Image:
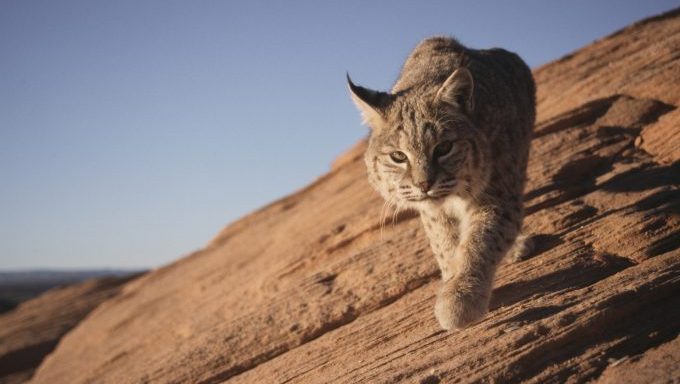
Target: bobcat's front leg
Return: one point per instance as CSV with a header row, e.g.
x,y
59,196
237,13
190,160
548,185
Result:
x,y
442,231
464,298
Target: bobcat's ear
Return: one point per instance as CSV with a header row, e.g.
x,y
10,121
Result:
x,y
372,104
457,90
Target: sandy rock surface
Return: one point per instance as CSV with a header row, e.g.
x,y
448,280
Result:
x,y
311,289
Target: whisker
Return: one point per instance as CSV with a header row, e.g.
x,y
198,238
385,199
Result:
x,y
383,216
394,214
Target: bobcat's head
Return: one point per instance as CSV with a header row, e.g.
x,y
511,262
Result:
x,y
423,144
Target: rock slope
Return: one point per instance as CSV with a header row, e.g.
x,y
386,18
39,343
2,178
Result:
x,y
312,289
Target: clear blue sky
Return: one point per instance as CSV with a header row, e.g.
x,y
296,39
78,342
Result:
x,y
131,132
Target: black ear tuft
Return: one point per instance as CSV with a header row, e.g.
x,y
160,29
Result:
x,y
374,99
372,104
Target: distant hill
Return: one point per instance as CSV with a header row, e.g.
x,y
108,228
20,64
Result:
x,y
19,286
32,330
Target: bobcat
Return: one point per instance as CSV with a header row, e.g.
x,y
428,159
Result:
x,y
451,140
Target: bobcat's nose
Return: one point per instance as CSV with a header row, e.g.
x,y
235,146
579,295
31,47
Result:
x,y
424,186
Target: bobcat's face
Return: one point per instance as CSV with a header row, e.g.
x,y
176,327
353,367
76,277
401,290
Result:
x,y
418,158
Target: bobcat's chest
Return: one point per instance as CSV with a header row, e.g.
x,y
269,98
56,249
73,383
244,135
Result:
x,y
458,208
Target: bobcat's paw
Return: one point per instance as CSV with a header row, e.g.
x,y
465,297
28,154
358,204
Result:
x,y
457,307
522,249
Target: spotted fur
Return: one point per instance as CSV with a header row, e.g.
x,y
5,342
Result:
x,y
482,103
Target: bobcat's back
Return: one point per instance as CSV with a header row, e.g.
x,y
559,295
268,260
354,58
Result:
x,y
504,87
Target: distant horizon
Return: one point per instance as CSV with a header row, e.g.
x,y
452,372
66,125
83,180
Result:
x,y
68,270
132,133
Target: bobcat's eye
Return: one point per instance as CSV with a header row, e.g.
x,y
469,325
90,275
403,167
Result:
x,y
442,149
398,156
